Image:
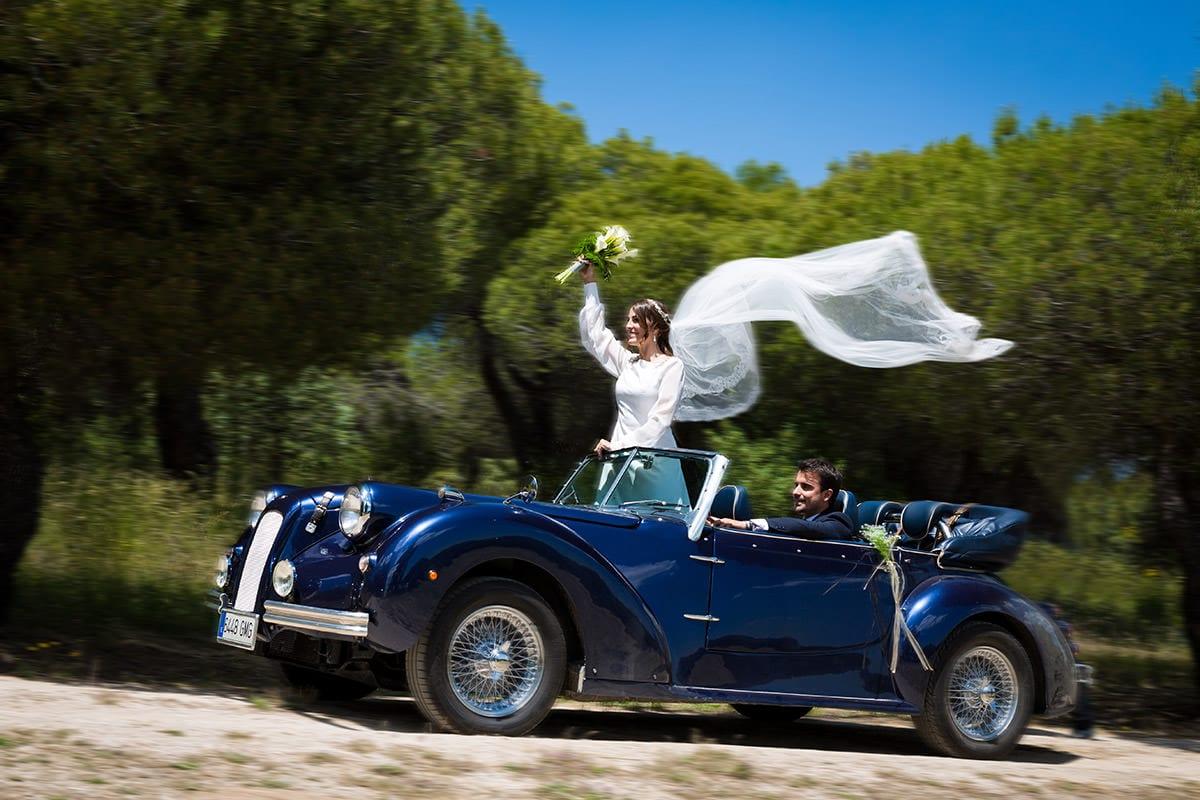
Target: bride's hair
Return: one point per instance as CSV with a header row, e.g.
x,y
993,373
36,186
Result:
x,y
653,314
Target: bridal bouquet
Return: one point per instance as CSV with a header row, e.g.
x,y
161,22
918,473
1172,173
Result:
x,y
604,250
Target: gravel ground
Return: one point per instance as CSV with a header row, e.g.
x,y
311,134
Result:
x,y
124,740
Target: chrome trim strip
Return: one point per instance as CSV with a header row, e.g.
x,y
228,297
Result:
x,y
702,617
785,537
712,483
1084,673
709,559
815,697
320,620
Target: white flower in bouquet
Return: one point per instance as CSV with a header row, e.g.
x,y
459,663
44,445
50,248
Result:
x,y
604,250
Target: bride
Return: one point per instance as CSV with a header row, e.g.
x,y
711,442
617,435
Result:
x,y
649,377
648,388
870,303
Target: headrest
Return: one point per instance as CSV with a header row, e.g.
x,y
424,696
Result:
x,y
921,516
732,502
847,503
876,512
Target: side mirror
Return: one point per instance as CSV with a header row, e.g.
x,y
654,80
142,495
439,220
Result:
x,y
528,493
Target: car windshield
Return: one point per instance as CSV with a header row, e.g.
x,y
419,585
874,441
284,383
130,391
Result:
x,y
638,479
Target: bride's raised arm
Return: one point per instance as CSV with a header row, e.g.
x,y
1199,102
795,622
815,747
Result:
x,y
596,337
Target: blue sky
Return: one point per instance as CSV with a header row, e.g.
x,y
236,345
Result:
x,y
805,83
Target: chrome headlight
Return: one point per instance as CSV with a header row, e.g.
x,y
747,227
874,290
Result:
x,y
354,513
283,578
258,504
221,577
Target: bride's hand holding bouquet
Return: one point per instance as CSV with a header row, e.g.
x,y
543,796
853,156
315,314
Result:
x,y
603,250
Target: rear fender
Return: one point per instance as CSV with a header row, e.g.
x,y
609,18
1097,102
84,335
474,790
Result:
x,y
621,639
940,605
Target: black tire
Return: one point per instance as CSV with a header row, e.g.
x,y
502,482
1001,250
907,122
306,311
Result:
x,y
314,686
428,661
994,647
777,714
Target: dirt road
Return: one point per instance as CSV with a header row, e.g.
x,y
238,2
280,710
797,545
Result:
x,y
71,740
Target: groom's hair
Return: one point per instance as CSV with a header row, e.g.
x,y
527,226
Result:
x,y
829,475
653,314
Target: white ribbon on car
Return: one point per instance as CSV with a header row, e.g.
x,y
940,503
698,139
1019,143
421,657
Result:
x,y
899,625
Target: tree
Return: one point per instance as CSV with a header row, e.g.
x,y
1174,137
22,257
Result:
x,y
236,182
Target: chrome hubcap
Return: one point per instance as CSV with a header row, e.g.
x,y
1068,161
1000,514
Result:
x,y
983,694
496,661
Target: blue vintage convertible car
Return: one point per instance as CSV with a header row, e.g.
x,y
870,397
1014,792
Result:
x,y
487,609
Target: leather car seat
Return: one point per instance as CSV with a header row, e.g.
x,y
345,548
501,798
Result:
x,y
847,503
920,518
732,502
880,512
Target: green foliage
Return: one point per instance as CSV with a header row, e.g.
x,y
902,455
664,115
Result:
x,y
288,169
1107,513
339,222
120,548
761,177
1100,592
766,467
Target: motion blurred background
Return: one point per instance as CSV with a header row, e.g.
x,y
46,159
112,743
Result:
x,y
311,241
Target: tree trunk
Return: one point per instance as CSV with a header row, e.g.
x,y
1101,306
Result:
x,y
185,441
22,471
1178,503
528,408
519,434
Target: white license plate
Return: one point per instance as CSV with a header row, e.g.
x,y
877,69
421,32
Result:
x,y
237,629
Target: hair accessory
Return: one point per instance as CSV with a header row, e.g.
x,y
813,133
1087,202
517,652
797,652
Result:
x,y
661,309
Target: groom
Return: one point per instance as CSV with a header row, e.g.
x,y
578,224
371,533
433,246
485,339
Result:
x,y
817,484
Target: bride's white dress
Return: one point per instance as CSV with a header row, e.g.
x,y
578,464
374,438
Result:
x,y
647,394
647,391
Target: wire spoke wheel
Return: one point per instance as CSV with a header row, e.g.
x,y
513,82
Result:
x,y
979,701
983,693
495,661
492,660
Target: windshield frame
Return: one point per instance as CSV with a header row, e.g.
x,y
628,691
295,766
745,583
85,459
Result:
x,y
695,517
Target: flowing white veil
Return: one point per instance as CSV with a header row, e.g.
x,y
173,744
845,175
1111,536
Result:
x,y
868,303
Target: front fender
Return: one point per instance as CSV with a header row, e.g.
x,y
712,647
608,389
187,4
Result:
x,y
937,607
621,638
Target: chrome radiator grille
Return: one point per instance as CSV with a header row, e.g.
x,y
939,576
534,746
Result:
x,y
256,560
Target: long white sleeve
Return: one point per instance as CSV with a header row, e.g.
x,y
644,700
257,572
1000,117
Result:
x,y
658,422
596,337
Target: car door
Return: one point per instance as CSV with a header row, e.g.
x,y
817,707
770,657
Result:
x,y
794,616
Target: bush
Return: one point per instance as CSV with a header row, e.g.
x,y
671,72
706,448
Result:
x,y
124,549
1105,593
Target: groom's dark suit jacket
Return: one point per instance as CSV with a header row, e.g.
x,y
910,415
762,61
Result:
x,y
826,525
